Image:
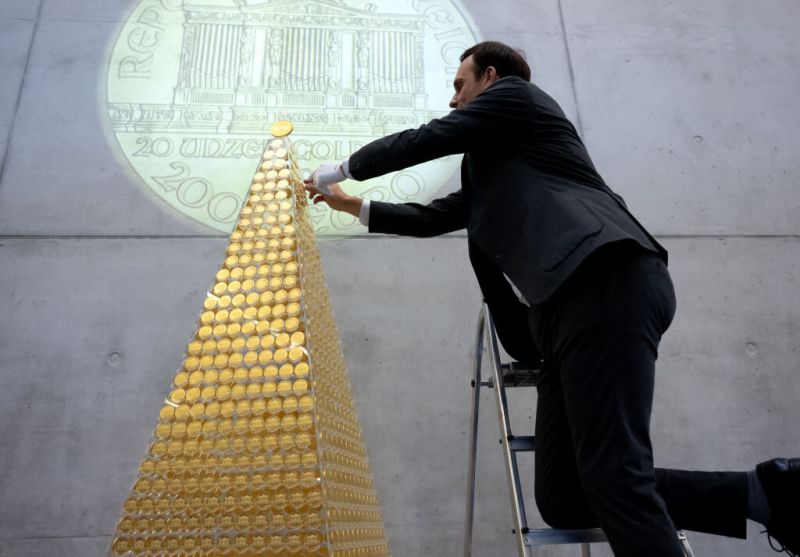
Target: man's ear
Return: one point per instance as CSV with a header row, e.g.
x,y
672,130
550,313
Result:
x,y
491,75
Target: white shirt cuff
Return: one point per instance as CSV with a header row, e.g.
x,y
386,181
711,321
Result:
x,y
363,214
346,168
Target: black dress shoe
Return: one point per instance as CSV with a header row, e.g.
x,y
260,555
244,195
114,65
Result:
x,y
780,478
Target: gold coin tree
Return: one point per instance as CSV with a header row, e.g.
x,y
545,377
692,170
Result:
x,y
258,449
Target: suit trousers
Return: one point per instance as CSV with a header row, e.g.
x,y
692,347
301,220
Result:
x,y
599,337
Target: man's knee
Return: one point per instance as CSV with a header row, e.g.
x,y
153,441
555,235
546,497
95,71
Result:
x,y
566,508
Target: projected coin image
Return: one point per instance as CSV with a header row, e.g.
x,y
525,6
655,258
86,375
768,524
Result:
x,y
193,87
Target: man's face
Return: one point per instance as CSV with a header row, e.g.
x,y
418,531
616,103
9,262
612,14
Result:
x,y
467,86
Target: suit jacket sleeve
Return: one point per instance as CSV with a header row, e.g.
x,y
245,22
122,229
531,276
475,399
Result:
x,y
501,112
440,216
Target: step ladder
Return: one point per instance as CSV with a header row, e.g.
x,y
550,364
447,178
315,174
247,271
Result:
x,y
502,377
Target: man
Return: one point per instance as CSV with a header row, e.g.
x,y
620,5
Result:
x,y
572,277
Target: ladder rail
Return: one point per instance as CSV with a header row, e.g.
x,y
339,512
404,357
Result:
x,y
509,454
473,436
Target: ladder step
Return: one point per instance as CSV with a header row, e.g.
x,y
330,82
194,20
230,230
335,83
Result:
x,y
555,536
516,375
521,443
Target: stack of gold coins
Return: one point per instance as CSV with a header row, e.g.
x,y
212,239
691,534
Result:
x,y
258,449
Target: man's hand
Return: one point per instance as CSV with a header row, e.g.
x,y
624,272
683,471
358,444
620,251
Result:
x,y
336,199
328,173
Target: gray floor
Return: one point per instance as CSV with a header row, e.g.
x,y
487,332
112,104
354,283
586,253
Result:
x,y
690,112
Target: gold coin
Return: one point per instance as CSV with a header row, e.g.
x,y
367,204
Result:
x,y
243,409
305,421
250,313
274,405
227,409
290,404
207,393
209,346
194,347
236,314
286,370
270,372
238,391
240,375
269,389
296,354
221,360
284,387
225,427
197,411
301,369
282,129
224,344
207,360
300,386
163,431
223,392
181,379
259,406
306,403
221,316
177,396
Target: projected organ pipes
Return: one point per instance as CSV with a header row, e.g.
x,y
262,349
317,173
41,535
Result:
x,y
193,87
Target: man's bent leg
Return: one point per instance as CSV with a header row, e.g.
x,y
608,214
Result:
x,y
601,335
559,493
712,502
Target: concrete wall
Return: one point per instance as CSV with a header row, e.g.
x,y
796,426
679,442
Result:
x,y
690,112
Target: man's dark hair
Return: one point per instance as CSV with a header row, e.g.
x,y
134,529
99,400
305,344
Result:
x,y
506,60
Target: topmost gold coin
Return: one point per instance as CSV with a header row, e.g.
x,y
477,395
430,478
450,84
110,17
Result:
x,y
282,128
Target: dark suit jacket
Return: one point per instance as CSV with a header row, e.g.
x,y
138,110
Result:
x,y
531,200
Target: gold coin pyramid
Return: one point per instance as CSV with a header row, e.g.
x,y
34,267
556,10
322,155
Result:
x,y
258,449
